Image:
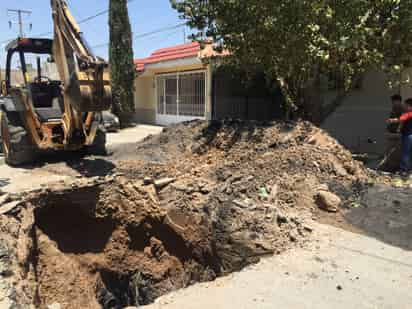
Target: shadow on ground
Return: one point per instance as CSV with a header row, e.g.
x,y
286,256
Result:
x,y
87,166
4,182
385,214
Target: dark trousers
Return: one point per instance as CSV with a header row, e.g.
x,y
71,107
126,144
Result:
x,y
406,153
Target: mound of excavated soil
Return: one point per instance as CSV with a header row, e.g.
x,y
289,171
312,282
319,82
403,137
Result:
x,y
254,156
200,200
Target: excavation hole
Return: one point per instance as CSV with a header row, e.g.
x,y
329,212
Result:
x,y
73,229
91,250
173,243
117,291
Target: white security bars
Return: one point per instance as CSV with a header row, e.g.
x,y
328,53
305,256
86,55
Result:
x,y
181,96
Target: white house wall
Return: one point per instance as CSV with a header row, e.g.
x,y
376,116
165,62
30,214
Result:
x,y
359,122
145,91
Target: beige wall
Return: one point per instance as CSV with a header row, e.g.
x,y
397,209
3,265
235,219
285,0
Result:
x,y
145,92
145,100
362,114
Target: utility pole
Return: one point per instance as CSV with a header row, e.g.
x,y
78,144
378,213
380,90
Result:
x,y
20,14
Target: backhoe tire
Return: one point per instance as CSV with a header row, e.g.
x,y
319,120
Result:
x,y
99,144
16,143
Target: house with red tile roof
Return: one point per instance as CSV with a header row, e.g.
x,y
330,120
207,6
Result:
x,y
175,84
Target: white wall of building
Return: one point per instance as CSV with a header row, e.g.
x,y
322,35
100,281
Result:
x,y
359,122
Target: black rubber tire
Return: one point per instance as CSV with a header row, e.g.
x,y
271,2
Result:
x,y
99,144
18,148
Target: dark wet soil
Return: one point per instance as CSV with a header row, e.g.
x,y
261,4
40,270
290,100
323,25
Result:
x,y
385,213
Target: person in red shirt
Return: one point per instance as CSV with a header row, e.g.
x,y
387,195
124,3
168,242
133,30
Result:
x,y
405,121
398,108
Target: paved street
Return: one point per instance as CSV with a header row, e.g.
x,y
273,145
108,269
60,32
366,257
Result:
x,y
338,270
52,169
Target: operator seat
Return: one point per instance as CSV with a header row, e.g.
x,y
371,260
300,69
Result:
x,y
47,101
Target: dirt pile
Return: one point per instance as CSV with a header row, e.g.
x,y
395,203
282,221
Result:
x,y
255,157
200,200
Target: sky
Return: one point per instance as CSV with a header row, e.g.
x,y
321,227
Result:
x,y
145,16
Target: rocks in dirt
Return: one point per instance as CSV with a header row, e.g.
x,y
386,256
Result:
x,y
5,262
5,208
54,306
7,290
328,201
7,203
246,203
308,228
161,183
339,169
323,187
273,193
147,181
282,219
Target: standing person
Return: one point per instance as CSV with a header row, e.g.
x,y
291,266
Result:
x,y
398,108
405,121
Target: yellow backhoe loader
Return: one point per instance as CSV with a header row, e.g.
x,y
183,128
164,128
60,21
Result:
x,y
53,94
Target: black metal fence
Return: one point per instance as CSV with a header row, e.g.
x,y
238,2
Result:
x,y
237,96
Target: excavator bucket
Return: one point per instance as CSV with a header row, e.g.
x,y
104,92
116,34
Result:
x,y
85,77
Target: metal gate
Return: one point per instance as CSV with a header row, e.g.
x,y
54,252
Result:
x,y
180,97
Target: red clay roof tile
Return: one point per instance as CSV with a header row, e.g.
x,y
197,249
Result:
x,y
170,53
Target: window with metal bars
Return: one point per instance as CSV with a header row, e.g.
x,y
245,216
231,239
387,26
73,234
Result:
x,y
181,94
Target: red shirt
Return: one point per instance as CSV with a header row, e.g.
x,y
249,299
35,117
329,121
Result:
x,y
406,116
406,120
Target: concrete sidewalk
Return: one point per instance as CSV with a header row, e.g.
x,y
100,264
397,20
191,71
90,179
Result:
x,y
339,270
132,135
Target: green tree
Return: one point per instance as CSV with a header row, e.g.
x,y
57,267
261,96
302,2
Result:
x,y
122,66
296,41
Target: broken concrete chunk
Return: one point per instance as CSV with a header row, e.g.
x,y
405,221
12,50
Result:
x,y
5,208
243,203
151,191
308,228
323,187
339,169
161,183
147,181
273,193
5,198
328,201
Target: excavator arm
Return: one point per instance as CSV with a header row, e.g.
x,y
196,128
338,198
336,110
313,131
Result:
x,y
85,77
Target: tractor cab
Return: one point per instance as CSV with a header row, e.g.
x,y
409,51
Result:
x,y
32,78
37,114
